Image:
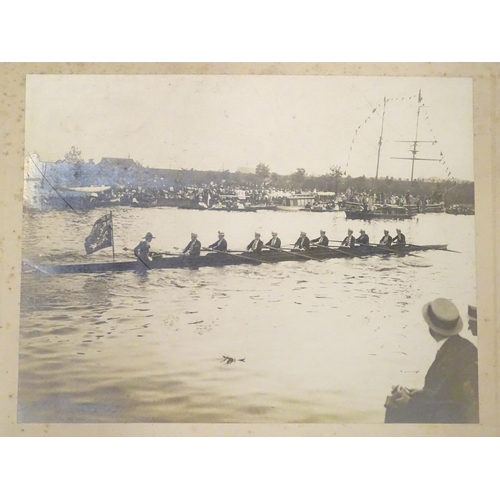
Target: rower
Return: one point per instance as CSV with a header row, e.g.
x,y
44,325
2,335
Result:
x,y
363,238
274,242
255,246
399,239
349,240
142,250
221,244
303,242
193,247
322,240
386,239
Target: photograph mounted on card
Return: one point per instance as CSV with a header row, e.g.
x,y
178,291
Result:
x,y
248,249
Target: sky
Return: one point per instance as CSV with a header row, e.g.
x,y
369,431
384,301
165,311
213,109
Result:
x,y
236,122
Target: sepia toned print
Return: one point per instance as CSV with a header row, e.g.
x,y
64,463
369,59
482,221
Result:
x,y
243,249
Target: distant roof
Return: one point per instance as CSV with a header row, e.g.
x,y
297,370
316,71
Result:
x,y
118,161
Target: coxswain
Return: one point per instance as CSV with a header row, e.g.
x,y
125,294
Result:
x,y
349,240
386,239
399,239
255,246
363,238
303,242
274,242
142,250
322,240
221,244
193,247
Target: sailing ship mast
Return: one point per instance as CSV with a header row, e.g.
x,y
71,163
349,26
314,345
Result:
x,y
380,139
414,149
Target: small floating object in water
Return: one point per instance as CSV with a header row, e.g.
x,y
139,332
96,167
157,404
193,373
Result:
x,y
228,360
196,322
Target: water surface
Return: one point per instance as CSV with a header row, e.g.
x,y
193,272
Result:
x,y
321,341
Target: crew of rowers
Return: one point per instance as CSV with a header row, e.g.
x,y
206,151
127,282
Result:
x,y
303,243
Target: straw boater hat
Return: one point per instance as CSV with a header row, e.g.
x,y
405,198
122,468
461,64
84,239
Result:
x,y
221,233
443,317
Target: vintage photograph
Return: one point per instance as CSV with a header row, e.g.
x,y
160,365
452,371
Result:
x,y
248,249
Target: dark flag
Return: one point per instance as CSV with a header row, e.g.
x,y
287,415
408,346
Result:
x,y
101,235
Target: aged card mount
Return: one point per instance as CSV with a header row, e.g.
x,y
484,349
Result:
x,y
484,79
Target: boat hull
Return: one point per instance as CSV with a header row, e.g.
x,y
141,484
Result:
x,y
228,259
359,215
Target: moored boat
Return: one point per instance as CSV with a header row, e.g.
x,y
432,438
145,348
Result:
x,y
460,210
230,258
219,209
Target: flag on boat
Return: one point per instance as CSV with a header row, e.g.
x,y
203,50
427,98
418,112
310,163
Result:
x,y
101,235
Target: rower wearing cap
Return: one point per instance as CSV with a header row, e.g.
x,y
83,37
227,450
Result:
x,y
363,239
193,247
472,313
220,244
256,244
141,251
399,239
274,242
303,242
322,240
386,239
349,240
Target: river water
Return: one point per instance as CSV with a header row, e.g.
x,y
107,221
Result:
x,y
321,341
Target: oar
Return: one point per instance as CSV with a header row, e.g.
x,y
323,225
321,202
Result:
x,y
234,255
125,249
345,252
390,250
294,253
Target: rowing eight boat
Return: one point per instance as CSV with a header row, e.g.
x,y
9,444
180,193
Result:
x,y
222,259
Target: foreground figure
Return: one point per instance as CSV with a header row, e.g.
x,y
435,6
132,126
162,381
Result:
x,y
472,313
450,393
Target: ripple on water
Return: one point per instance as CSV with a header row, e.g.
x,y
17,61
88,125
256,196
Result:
x,y
310,331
